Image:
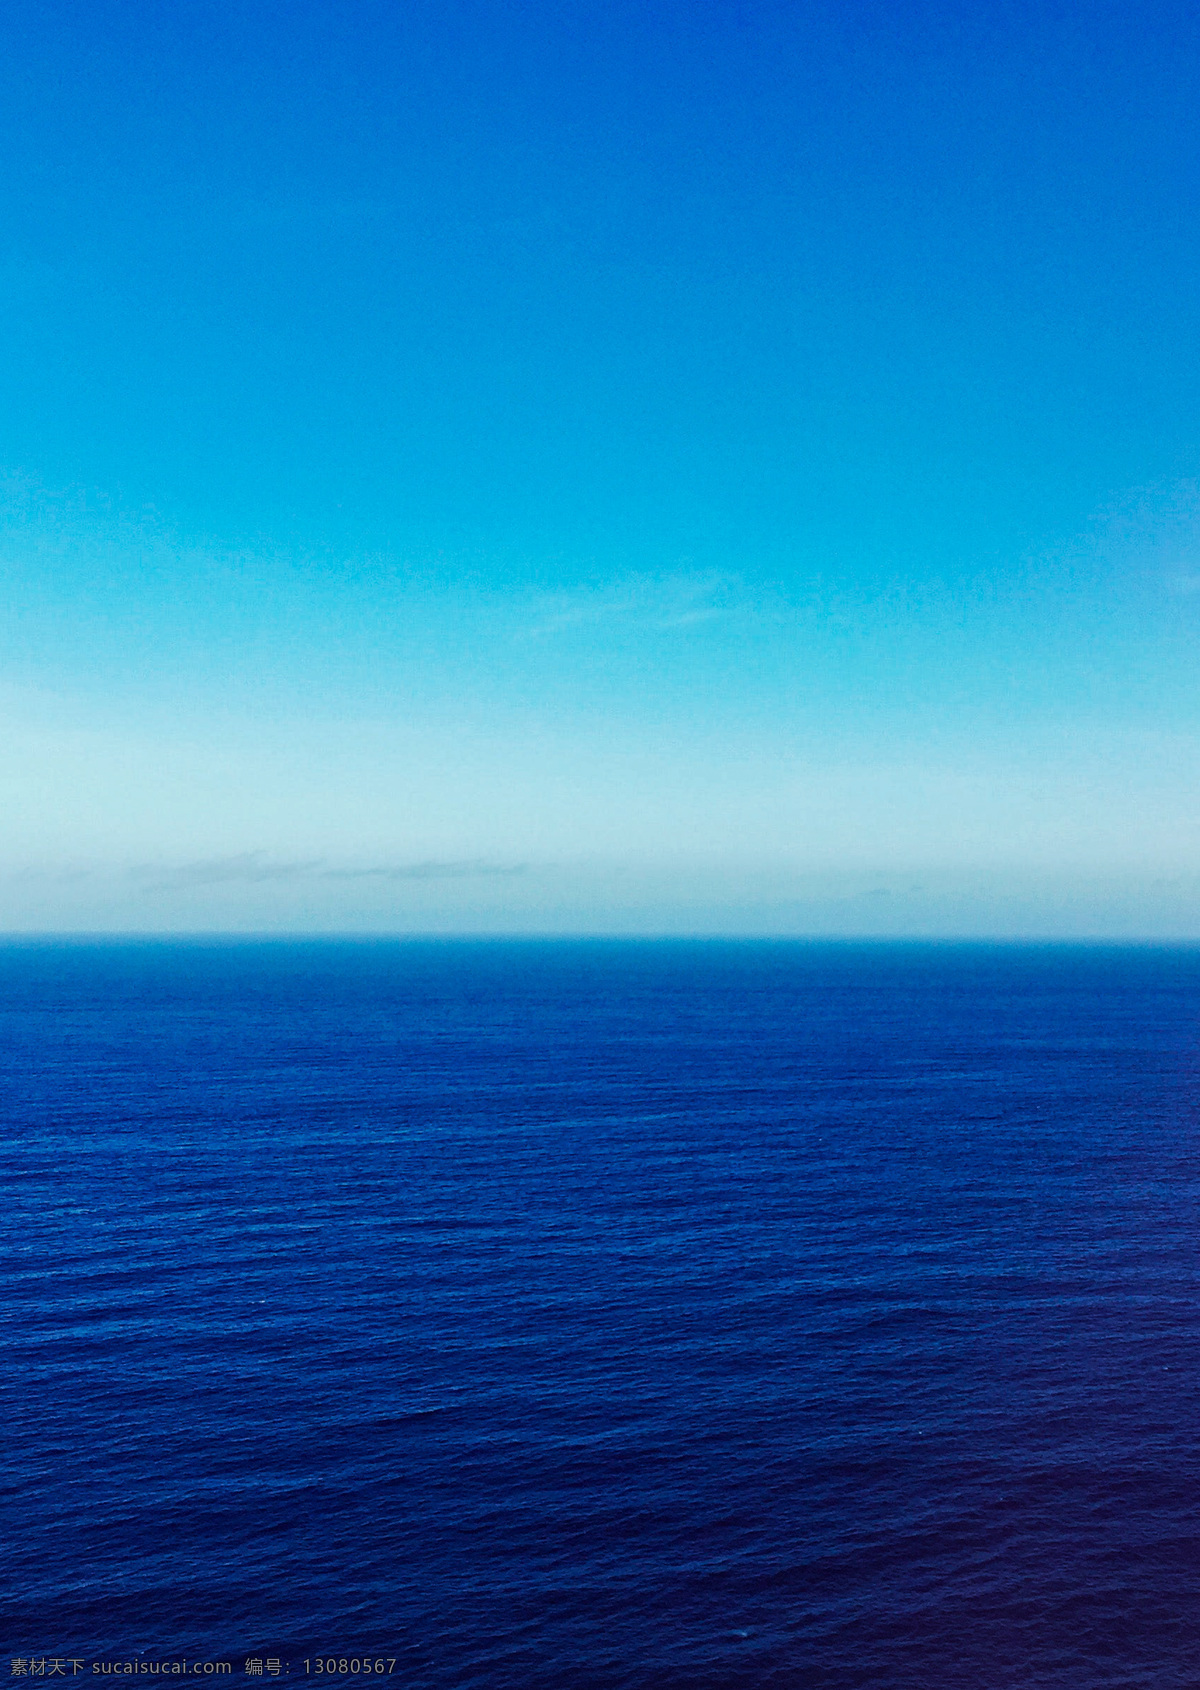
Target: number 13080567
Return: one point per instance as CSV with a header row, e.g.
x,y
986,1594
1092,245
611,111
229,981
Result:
x,y
340,1665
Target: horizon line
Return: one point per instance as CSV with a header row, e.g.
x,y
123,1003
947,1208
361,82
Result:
x,y
342,936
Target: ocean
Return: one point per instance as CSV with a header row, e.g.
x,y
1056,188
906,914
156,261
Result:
x,y
601,1315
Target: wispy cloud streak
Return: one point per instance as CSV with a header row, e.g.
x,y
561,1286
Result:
x,y
644,602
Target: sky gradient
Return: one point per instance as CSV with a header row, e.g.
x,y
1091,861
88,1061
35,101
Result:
x,y
600,468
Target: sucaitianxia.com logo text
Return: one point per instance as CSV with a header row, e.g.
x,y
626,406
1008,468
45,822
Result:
x,y
68,1666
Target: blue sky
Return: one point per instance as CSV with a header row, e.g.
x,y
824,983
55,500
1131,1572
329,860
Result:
x,y
579,467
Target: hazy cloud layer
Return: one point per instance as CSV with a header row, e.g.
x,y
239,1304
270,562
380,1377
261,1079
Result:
x,y
257,868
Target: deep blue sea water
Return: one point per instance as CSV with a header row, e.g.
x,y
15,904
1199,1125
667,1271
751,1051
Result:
x,y
606,1316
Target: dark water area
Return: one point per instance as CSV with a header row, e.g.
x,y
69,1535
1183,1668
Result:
x,y
603,1315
